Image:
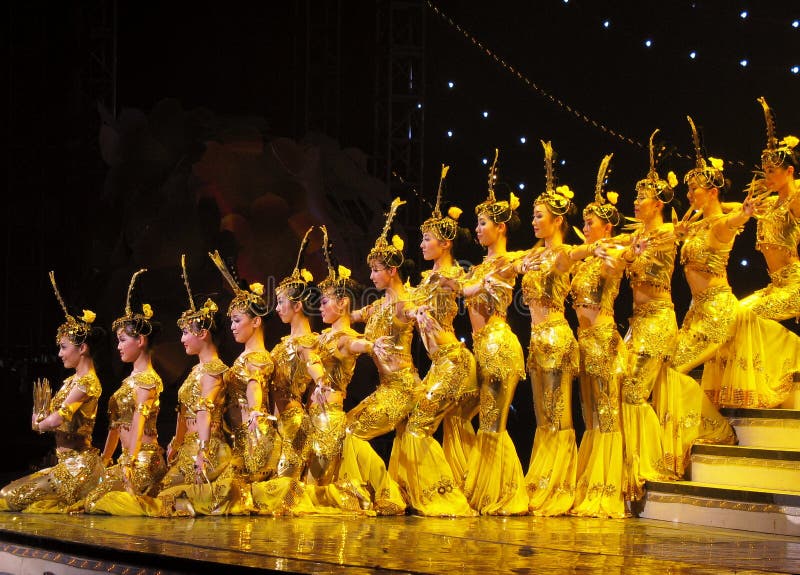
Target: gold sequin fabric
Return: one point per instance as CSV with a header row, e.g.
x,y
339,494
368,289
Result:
x,y
444,305
495,302
601,357
498,352
592,286
780,300
553,347
698,254
291,378
82,421
182,471
190,394
707,325
388,405
122,404
546,286
650,340
146,472
249,366
339,367
777,227
381,320
654,265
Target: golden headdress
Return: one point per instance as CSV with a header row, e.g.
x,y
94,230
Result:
x,y
76,330
498,212
777,152
557,199
139,322
338,278
653,186
442,227
297,285
707,173
389,253
604,207
196,319
246,300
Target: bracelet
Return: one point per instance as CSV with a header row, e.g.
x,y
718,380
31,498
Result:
x,y
202,445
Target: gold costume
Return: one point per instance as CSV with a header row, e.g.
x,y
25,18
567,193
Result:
x,y
418,463
778,228
380,412
219,492
494,483
649,342
253,448
148,467
553,361
601,470
59,488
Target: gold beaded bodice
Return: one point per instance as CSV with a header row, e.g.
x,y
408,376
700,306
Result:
x,y
381,320
249,366
499,299
291,378
698,254
593,288
81,422
339,367
654,265
546,286
777,227
190,394
444,306
122,404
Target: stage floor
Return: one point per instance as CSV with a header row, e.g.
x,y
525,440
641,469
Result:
x,y
354,545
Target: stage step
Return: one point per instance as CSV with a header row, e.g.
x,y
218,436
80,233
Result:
x,y
746,467
770,428
765,511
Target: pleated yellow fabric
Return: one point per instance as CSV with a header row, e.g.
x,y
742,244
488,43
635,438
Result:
x,y
495,484
599,491
553,472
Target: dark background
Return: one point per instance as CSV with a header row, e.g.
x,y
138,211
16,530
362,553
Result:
x,y
217,137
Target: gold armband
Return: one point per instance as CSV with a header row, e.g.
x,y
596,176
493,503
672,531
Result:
x,y
144,409
66,413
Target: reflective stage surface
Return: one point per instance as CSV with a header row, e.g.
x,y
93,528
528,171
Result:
x,y
356,545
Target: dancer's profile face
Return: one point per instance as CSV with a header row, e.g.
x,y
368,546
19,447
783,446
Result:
x,y
192,341
331,308
545,224
698,196
69,353
285,307
646,207
242,326
487,231
129,347
777,178
595,228
379,274
432,247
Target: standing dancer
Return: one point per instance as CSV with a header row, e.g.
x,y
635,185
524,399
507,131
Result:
x,y
132,414
450,388
553,356
494,483
70,415
595,285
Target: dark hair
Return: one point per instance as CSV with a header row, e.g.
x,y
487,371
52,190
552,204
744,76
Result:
x,y
97,340
132,329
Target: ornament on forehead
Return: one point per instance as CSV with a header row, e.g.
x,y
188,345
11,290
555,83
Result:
x,y
297,285
653,186
777,152
442,227
604,206
389,253
707,173
139,322
196,319
249,300
497,211
338,278
557,199
75,329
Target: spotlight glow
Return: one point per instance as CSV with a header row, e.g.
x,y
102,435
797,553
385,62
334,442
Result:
x,y
449,133
563,162
485,114
743,14
692,54
521,185
795,69
451,84
744,263
743,63
522,139
419,105
606,24
648,42
485,161
796,24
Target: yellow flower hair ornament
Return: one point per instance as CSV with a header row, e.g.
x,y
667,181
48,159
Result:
x,y
306,275
147,311
88,316
210,306
565,191
513,201
672,179
343,272
455,212
257,288
612,197
398,242
717,163
790,141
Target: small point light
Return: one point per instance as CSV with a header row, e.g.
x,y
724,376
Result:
x,y
606,23
743,14
419,105
744,263
796,24
485,114
485,161
743,63
449,133
563,162
648,42
522,139
451,84
463,339
795,69
692,54
521,185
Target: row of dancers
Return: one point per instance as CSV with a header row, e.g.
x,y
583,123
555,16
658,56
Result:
x,y
292,447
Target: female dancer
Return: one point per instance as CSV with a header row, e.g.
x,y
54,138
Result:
x,y
247,381
132,413
494,483
595,285
418,461
200,479
553,357
70,416
778,228
390,329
